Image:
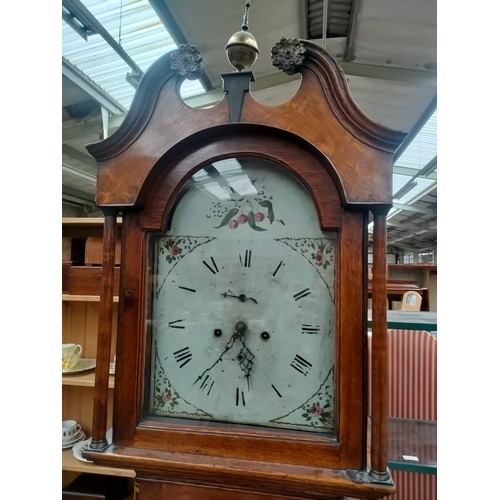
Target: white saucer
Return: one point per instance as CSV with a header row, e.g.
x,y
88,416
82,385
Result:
x,y
82,365
77,450
79,437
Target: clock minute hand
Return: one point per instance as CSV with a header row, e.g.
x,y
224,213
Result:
x,y
242,297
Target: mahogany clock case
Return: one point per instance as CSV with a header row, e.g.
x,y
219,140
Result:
x,y
134,349
344,162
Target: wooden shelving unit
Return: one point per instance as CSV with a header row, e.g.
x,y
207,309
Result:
x,y
80,312
425,275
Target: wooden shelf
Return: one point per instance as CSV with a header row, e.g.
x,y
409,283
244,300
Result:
x,y
85,380
84,298
71,463
429,267
86,221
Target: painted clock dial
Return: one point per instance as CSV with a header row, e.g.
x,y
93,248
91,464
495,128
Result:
x,y
243,305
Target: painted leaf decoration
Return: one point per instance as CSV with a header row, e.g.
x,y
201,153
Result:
x,y
270,212
229,215
251,222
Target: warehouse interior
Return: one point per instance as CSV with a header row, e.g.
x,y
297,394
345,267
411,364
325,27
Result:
x,y
389,51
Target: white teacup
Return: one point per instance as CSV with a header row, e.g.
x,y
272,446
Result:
x,y
70,355
70,429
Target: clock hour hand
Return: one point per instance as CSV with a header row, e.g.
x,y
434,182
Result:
x,y
241,297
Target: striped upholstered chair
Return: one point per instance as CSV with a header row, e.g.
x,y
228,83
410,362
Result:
x,y
413,395
412,357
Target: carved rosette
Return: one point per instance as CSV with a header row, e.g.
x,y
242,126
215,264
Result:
x,y
187,61
288,55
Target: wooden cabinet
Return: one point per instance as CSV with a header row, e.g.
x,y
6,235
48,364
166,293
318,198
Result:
x,y
401,278
80,312
424,275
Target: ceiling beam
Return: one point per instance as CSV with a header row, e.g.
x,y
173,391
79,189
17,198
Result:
x,y
87,85
82,29
79,173
351,31
166,17
411,172
392,73
76,196
413,208
415,246
418,232
78,155
280,78
400,207
90,131
82,14
431,108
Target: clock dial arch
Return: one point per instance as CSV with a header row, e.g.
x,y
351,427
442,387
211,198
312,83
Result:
x,y
309,166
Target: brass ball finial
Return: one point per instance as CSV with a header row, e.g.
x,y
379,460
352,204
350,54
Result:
x,y
241,49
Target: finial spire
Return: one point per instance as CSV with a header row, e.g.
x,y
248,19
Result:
x,y
241,49
244,26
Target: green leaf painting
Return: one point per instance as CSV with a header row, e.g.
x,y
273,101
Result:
x,y
252,224
229,215
251,210
270,213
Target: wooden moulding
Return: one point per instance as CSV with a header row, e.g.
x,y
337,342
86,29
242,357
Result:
x,y
244,475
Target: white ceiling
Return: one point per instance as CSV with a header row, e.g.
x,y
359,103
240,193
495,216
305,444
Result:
x,y
387,49
392,71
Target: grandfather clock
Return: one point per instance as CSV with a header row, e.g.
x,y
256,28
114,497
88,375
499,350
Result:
x,y
242,367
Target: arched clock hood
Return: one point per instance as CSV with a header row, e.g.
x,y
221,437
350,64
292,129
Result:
x,y
159,121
